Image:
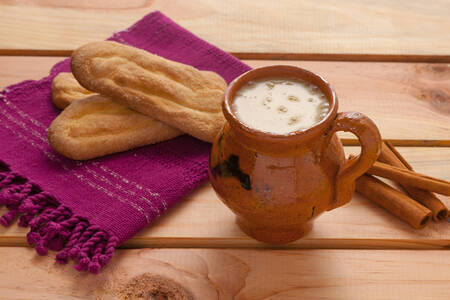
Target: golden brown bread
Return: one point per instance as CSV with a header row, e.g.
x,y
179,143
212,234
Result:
x,y
66,89
97,126
176,94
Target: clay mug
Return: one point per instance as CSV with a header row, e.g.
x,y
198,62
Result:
x,y
278,184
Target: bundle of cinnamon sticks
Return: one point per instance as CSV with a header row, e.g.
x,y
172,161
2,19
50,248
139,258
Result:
x,y
419,205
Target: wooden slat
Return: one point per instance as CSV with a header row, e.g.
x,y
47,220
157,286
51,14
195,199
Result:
x,y
348,29
408,101
236,274
14,69
202,220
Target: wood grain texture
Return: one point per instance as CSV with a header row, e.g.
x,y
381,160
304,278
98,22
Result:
x,y
409,102
387,92
237,274
399,29
201,220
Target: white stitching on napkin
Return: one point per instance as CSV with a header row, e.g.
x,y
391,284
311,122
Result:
x,y
56,159
26,117
129,192
127,181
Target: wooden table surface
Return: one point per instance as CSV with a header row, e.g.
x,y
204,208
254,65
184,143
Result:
x,y
387,59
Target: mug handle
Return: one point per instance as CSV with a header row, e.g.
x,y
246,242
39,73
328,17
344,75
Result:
x,y
370,140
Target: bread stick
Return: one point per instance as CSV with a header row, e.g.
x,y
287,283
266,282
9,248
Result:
x,y
174,93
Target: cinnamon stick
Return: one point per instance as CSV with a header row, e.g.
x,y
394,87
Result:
x,y
394,201
391,156
410,178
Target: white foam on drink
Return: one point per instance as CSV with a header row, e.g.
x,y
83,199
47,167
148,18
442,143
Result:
x,y
280,105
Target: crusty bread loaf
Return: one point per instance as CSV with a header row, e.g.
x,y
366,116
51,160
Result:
x,y
66,89
96,126
174,93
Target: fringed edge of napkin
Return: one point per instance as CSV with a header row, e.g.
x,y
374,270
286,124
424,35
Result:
x,y
53,226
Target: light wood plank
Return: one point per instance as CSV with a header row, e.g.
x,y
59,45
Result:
x,y
14,69
202,220
409,101
237,274
401,29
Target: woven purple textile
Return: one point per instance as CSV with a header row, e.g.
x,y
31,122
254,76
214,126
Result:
x,y
84,210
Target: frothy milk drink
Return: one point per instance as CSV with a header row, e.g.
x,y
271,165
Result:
x,y
280,105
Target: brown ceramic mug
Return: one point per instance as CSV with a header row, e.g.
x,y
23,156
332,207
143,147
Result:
x,y
277,184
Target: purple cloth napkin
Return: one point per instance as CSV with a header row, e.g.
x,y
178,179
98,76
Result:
x,y
84,210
